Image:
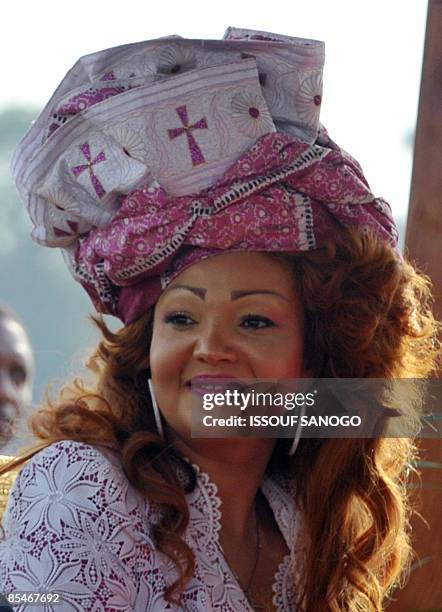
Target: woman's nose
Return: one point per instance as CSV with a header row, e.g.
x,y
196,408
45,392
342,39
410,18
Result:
x,y
213,346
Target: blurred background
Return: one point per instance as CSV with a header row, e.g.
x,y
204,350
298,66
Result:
x,y
371,88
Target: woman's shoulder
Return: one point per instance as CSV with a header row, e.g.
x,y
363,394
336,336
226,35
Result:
x,y
77,453
70,461
75,524
75,478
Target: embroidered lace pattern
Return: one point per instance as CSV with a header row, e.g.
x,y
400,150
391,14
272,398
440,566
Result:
x,y
74,525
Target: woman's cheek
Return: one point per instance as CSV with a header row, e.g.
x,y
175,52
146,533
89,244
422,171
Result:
x,y
168,358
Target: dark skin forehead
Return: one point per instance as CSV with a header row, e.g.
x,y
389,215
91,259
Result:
x,y
14,344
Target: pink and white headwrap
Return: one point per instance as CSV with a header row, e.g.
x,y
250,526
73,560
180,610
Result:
x,y
150,157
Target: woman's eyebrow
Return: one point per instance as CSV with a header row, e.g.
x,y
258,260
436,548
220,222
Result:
x,y
243,293
201,293
235,295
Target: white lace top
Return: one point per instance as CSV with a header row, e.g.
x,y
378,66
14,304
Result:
x,y
74,525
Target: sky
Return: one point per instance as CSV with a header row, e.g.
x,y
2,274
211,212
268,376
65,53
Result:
x,y
371,78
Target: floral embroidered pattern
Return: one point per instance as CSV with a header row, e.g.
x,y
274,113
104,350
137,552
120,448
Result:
x,y
309,97
251,114
62,199
74,525
176,59
131,142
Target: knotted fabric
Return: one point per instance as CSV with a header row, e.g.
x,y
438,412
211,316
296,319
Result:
x,y
152,156
281,196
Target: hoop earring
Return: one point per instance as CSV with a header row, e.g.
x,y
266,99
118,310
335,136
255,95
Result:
x,y
156,410
297,437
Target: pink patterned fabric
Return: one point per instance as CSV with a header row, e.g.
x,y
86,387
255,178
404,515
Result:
x,y
282,195
86,99
74,525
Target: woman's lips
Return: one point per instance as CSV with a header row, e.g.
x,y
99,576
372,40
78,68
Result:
x,y
200,385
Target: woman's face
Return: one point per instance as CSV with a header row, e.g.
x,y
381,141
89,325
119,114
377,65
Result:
x,y
236,314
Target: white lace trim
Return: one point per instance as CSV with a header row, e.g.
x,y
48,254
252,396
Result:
x,y
74,525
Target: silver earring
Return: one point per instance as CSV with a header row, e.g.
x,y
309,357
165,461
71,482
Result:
x,y
156,410
297,437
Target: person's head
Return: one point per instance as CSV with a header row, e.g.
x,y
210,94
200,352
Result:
x,y
16,371
236,315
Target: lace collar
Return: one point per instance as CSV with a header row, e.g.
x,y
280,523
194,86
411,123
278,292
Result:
x,y
202,535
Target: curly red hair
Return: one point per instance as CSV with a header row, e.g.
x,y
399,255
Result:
x,y
368,315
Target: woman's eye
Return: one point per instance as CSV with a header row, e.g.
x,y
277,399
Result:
x,y
256,322
180,319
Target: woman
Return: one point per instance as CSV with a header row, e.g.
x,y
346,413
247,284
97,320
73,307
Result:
x,y
279,264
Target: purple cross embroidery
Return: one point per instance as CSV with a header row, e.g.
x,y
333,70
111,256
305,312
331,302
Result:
x,y
77,170
195,151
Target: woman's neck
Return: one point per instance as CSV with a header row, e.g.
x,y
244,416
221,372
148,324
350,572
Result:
x,y
237,467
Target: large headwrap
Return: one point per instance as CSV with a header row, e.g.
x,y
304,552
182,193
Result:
x,y
152,156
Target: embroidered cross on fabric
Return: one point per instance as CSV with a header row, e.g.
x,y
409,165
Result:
x,y
77,170
195,151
